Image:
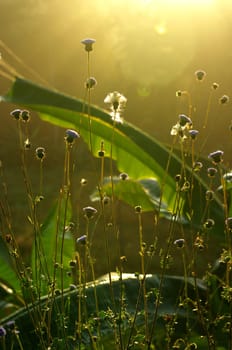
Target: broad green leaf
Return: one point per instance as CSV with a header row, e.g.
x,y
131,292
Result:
x,y
172,293
8,273
135,152
145,193
48,250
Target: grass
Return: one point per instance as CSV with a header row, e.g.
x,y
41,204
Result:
x,y
57,300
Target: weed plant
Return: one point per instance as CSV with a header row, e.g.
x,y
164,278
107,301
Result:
x,y
56,302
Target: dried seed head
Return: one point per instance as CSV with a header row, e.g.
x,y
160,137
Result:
x,y
211,172
27,144
88,42
2,332
89,212
138,209
101,154
209,223
25,116
224,99
179,243
40,153
200,75
123,176
179,93
183,120
72,287
106,200
90,83
71,136
216,156
215,86
193,134
209,195
229,223
81,240
83,182
16,114
123,259
8,238
72,263
197,166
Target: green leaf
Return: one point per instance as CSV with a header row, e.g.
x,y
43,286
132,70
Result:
x,y
135,152
8,273
48,249
102,288
145,193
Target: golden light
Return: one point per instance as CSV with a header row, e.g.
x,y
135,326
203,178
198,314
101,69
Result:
x,y
174,3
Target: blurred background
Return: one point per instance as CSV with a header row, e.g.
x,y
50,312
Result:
x,y
145,49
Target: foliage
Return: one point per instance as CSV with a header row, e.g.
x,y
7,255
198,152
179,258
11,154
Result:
x,y
135,152
139,310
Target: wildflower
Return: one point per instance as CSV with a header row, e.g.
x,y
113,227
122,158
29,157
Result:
x,y
90,83
117,104
179,93
181,126
101,153
72,263
215,86
224,99
199,243
25,115
106,200
184,120
228,177
89,212
8,238
123,176
212,172
27,144
40,153
16,114
123,259
200,75
82,240
2,332
179,243
229,223
193,134
209,223
88,42
70,136
72,287
209,195
177,177
216,156
83,182
197,166
11,324
138,209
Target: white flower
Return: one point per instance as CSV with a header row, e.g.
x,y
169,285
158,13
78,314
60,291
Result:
x,y
117,104
179,129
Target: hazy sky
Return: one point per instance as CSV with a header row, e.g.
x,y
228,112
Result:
x,y
146,49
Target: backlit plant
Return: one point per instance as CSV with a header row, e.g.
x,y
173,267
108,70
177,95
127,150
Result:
x,y
58,301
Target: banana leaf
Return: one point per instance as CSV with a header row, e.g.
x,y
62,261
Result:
x,y
135,152
126,286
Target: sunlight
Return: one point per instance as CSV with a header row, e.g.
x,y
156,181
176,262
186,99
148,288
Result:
x,y
173,3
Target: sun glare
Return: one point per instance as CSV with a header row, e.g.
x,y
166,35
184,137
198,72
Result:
x,y
173,3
